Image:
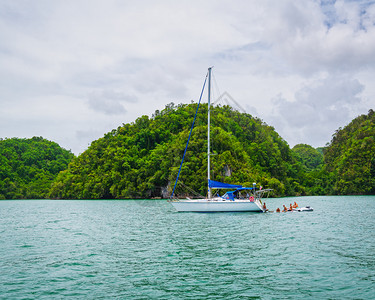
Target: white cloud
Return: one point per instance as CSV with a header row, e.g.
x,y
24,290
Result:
x,y
109,102
318,110
94,65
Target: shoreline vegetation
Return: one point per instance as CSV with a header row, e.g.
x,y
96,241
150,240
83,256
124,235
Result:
x,y
140,160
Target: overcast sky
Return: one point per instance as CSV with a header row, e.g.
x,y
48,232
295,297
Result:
x,y
73,70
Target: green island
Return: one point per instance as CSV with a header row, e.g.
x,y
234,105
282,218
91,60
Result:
x,y
140,160
29,166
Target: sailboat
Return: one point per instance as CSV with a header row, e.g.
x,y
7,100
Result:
x,y
238,199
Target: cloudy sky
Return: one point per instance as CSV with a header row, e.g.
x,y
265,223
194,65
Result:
x,y
72,70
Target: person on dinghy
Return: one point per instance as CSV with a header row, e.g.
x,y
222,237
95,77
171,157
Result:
x,y
295,205
264,207
285,209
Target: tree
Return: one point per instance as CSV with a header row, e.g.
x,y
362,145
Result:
x,y
141,159
350,157
29,166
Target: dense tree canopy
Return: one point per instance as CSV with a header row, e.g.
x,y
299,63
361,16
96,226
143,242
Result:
x,y
29,166
313,178
350,157
310,157
142,159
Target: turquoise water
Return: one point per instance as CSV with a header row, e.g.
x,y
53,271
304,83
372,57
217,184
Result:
x,y
145,250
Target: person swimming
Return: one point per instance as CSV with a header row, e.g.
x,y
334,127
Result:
x,y
277,209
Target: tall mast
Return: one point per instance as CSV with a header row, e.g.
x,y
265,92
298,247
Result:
x,y
208,133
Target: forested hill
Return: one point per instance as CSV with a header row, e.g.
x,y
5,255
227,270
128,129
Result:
x,y
350,157
141,160
29,166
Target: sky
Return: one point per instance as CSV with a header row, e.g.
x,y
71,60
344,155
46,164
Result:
x,y
73,70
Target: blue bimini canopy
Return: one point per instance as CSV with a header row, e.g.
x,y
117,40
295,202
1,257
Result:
x,y
229,195
220,185
232,194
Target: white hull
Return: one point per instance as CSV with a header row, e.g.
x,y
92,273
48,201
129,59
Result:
x,y
216,205
306,208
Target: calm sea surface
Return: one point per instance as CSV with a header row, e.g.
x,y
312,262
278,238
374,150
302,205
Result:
x,y
102,249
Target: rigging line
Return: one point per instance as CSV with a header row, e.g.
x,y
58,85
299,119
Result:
x,y
192,126
223,98
216,87
190,189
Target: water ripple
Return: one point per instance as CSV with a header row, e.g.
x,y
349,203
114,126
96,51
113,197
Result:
x,y
145,250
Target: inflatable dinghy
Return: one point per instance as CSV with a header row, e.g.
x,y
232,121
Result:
x,y
306,208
